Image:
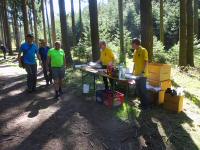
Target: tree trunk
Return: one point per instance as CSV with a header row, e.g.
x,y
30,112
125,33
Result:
x,y
94,29
196,22
35,21
25,17
190,33
43,20
2,39
147,26
80,20
64,31
183,34
121,31
30,18
161,22
53,29
7,28
16,25
47,15
73,23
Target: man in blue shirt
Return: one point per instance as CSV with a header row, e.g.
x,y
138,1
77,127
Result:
x,y
29,51
43,51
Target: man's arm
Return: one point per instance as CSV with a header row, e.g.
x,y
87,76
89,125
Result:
x,y
133,68
65,64
145,65
48,62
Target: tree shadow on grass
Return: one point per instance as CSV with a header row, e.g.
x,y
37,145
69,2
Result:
x,y
35,106
169,127
189,96
80,123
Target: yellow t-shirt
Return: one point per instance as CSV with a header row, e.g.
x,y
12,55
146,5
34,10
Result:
x,y
139,58
106,56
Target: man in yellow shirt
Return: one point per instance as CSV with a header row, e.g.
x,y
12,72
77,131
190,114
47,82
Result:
x,y
107,58
140,69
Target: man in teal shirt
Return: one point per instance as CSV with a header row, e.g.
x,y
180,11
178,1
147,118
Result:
x,y
29,50
56,57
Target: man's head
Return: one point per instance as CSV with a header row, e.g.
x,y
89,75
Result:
x,y
102,45
57,45
43,43
136,43
29,38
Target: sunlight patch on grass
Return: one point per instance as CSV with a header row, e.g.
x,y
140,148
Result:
x,y
193,133
126,112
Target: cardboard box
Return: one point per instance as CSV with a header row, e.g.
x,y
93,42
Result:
x,y
173,103
159,72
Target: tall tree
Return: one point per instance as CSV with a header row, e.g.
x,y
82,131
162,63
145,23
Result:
x,y
146,26
183,34
94,29
47,15
7,27
2,39
16,24
25,17
30,17
196,26
64,31
35,21
73,23
43,20
53,29
80,20
190,33
121,31
161,22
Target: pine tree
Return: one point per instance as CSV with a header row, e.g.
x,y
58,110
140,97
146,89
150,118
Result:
x,y
147,26
64,31
183,34
94,29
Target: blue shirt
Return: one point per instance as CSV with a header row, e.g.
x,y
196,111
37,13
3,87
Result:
x,y
29,51
43,51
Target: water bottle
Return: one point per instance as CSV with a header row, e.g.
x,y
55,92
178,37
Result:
x,y
120,71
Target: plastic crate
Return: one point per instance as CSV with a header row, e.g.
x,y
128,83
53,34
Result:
x,y
113,98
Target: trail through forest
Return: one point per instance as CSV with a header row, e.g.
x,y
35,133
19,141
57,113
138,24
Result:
x,y
37,121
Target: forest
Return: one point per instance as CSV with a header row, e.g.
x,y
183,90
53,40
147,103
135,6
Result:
x,y
166,30
169,31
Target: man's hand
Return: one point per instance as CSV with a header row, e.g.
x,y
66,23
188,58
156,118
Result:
x,y
20,64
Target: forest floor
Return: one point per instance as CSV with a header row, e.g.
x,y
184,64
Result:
x,y
75,122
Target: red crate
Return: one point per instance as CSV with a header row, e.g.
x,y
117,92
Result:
x,y
113,98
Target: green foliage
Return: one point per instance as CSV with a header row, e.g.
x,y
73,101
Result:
x,y
163,56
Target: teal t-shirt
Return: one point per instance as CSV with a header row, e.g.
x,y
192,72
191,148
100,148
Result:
x,y
57,57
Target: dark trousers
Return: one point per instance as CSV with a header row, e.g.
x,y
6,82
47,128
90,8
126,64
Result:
x,y
105,80
141,90
4,55
47,74
31,76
